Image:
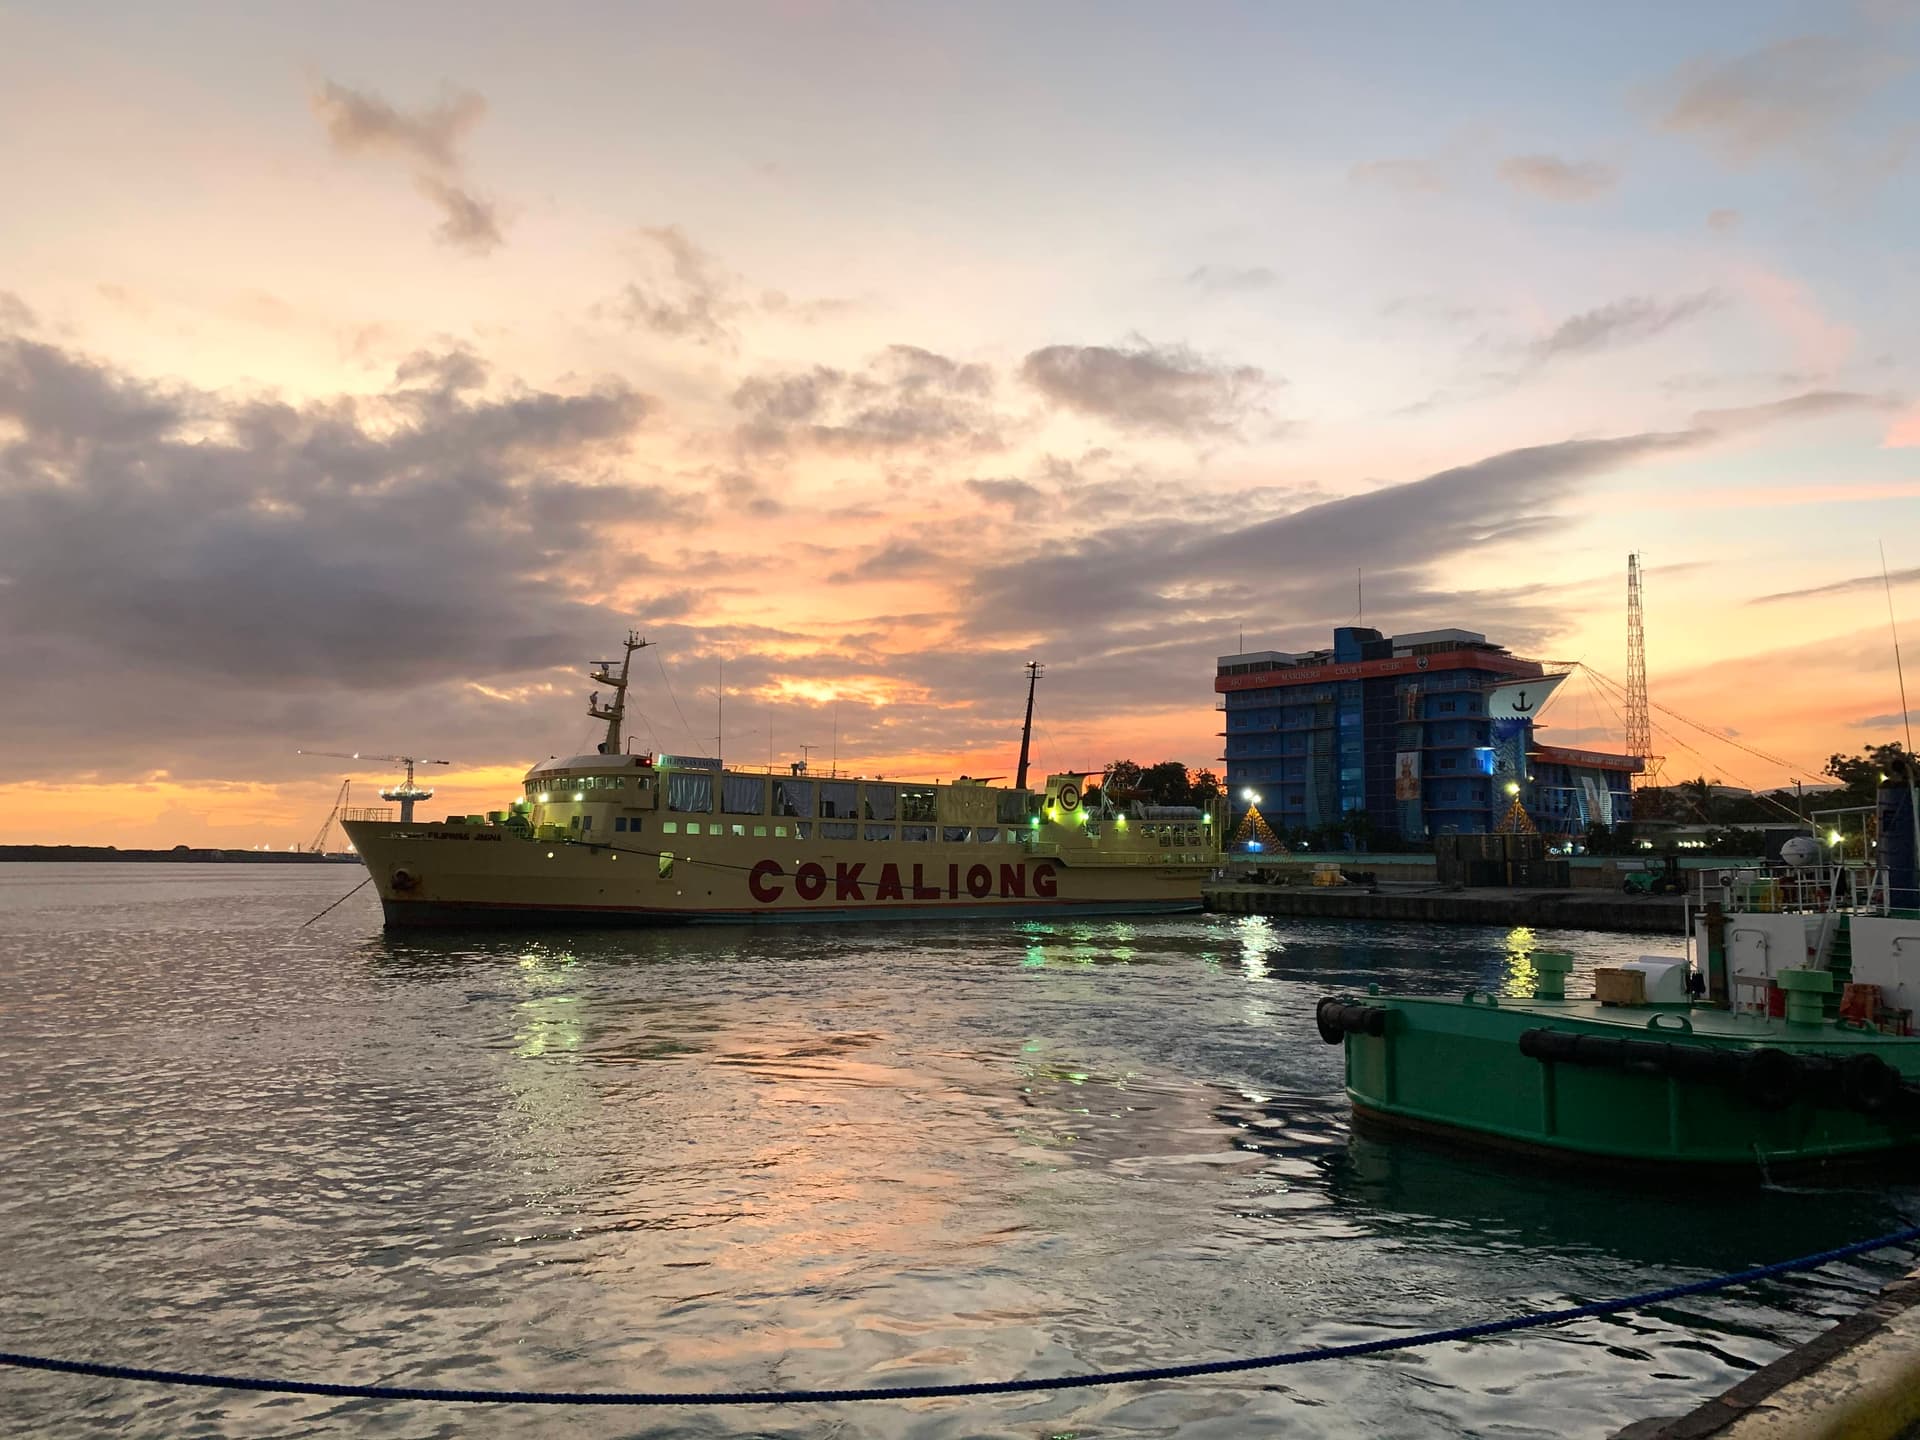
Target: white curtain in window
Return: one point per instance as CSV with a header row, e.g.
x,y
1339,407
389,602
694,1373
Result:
x,y
690,792
742,794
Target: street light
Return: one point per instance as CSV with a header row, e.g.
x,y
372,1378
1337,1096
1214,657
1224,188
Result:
x,y
1513,787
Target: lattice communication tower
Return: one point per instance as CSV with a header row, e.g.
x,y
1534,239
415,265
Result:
x,y
1639,719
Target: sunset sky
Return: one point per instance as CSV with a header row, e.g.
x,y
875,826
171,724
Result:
x,y
366,369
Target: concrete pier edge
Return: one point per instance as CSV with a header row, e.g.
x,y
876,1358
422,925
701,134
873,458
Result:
x,y
1542,909
1859,1380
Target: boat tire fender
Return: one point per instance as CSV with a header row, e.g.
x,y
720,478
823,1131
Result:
x,y
1771,1078
1336,1019
1870,1084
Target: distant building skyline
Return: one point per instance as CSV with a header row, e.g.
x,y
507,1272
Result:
x,y
1426,733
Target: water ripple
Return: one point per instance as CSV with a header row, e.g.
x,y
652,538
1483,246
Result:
x,y
747,1158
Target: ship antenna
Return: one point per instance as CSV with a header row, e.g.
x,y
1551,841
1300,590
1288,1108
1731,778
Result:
x,y
1034,670
614,712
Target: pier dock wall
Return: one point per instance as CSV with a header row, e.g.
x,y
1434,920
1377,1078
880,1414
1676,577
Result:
x,y
1541,909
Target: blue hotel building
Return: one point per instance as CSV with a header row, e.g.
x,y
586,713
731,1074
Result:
x,y
1397,728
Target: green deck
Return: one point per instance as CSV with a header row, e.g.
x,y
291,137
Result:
x,y
1457,1065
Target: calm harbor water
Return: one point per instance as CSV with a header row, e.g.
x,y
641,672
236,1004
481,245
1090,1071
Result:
x,y
740,1158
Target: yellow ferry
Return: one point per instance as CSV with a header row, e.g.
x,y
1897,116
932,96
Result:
x,y
615,838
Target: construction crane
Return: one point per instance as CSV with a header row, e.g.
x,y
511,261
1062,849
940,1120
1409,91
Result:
x,y
405,793
319,845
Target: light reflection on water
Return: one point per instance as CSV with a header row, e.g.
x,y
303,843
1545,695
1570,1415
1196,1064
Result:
x,y
760,1158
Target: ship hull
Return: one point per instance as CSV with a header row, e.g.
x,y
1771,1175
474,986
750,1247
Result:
x,y
1465,1070
499,915
452,876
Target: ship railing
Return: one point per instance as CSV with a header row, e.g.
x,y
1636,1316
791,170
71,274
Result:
x,y
1849,889
377,814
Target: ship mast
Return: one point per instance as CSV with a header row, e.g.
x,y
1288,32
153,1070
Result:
x,y
1034,669
614,713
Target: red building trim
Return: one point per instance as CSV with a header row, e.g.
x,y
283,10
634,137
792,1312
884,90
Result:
x,y
1589,759
1372,669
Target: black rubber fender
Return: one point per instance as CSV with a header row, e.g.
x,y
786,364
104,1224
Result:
x,y
1869,1084
1336,1019
1326,1020
1771,1078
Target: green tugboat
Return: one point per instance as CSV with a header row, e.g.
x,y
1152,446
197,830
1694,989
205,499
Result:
x,y
1792,1045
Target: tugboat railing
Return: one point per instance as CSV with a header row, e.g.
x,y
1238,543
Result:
x,y
1817,889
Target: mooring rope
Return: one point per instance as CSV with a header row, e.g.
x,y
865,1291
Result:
x,y
979,1387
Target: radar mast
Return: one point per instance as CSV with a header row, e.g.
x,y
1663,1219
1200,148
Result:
x,y
615,711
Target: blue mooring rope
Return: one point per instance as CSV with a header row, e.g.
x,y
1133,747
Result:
x,y
978,1387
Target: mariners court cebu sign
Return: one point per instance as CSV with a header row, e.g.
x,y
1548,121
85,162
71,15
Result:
x,y
864,881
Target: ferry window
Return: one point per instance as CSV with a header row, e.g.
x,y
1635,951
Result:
x,y
633,825
666,864
573,822
743,795
760,831
670,827
916,802
586,823
1010,806
690,792
779,832
837,829
801,829
619,824
838,799
881,800
643,782
987,834
739,829
693,827
879,832
954,834
916,832
793,797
